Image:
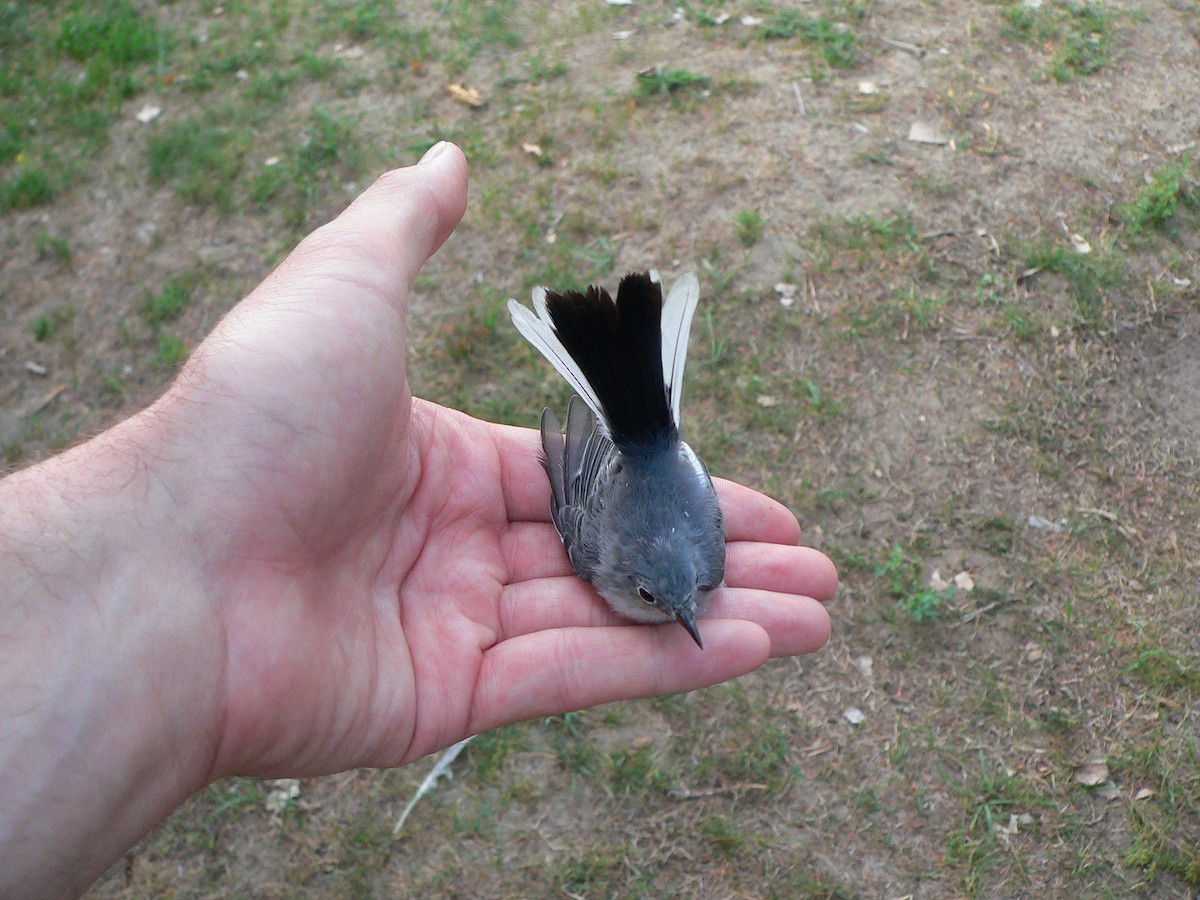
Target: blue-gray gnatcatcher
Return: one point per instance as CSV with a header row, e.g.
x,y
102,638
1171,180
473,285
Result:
x,y
633,503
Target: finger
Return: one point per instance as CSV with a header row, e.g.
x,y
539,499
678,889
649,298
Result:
x,y
753,516
522,478
533,550
562,601
776,567
795,623
560,670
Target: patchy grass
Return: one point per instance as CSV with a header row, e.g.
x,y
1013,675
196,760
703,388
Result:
x,y
1165,673
1082,35
1091,279
914,357
50,325
1171,186
660,81
54,247
836,42
749,225
171,351
201,157
65,71
114,32
28,187
168,303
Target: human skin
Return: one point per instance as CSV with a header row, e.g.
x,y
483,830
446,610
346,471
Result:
x,y
289,566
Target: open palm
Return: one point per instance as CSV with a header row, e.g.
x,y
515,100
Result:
x,y
383,570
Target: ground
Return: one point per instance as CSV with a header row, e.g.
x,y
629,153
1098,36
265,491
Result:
x,y
970,355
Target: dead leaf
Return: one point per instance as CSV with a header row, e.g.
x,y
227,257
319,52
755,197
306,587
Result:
x,y
1143,794
1091,774
1041,523
532,149
466,95
766,400
285,793
50,397
924,133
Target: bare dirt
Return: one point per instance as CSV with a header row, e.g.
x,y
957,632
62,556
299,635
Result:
x,y
919,392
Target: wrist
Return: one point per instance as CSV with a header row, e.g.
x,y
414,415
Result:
x,y
109,675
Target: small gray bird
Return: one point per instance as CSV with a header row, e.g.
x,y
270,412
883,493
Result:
x,y
633,503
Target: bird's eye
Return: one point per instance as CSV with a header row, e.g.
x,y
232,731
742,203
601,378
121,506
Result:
x,y
646,595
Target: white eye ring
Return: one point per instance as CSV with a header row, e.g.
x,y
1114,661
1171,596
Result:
x,y
646,595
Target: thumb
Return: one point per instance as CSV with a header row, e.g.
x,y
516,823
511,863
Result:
x,y
384,237
337,304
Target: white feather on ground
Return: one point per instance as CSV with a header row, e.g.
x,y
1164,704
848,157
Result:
x,y
440,768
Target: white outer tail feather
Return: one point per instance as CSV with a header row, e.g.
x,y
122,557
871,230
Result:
x,y
538,331
678,309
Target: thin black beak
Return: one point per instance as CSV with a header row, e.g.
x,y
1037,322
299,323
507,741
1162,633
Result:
x,y
689,623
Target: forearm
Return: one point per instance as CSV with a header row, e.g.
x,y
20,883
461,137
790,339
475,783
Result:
x,y
105,717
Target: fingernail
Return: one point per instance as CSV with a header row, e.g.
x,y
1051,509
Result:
x,y
433,153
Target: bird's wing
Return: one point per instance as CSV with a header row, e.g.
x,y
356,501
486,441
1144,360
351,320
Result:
x,y
588,453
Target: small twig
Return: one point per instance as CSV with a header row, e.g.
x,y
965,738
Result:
x,y
1174,704
799,99
907,48
47,400
945,232
689,794
976,613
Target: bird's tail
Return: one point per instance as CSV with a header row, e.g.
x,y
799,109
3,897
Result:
x,y
624,357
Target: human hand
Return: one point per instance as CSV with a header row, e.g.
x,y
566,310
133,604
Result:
x,y
289,566
385,571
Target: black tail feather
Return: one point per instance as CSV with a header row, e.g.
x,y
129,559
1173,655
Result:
x,y
618,347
